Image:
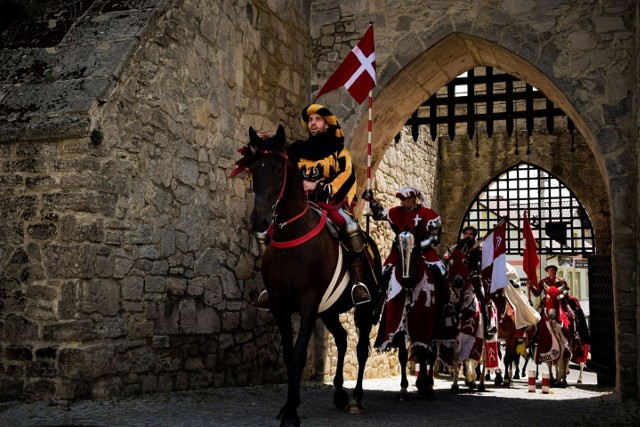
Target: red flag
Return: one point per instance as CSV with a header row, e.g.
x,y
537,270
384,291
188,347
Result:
x,y
530,256
494,258
357,73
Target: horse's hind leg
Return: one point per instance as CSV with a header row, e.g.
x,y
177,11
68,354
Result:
x,y
335,328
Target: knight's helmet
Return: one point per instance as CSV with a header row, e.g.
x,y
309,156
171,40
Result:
x,y
406,241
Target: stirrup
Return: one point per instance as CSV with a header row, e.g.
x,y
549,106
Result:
x,y
262,303
363,294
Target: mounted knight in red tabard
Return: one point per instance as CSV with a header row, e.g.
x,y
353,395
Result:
x,y
547,343
425,225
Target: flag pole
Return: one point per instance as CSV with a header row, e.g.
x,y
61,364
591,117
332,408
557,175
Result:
x,y
369,127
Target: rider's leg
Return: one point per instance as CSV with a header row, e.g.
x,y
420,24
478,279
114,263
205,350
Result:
x,y
489,329
356,244
442,288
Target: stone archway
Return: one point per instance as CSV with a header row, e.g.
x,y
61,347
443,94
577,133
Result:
x,y
428,72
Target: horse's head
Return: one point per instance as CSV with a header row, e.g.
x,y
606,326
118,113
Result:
x,y
458,266
552,301
411,265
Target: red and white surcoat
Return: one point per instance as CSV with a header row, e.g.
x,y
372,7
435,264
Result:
x,y
419,222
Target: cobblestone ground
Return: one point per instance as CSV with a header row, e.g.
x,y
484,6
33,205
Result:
x,y
579,404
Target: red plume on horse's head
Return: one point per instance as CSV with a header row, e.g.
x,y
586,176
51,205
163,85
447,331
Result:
x,y
258,142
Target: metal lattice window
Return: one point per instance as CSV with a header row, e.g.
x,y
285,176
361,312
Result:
x,y
559,221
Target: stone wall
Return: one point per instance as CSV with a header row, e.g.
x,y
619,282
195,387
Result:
x,y
127,259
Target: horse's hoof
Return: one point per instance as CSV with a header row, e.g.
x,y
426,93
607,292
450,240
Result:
x,y
403,396
340,398
481,388
290,423
516,376
355,408
455,388
579,381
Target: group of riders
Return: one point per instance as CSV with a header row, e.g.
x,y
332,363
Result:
x,y
329,181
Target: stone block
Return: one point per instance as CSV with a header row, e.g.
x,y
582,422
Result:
x,y
176,285
74,363
69,300
188,316
193,364
79,330
11,234
46,353
141,329
132,288
209,262
42,369
245,266
100,296
195,287
42,231
154,284
17,329
213,291
230,321
111,328
207,321
122,266
166,321
18,353
63,261
16,208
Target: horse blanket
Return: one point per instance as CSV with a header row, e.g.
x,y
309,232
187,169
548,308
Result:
x,y
550,338
471,334
409,310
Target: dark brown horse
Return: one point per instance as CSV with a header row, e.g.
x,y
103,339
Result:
x,y
304,269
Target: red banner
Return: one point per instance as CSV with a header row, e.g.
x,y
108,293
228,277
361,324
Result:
x,y
357,73
530,257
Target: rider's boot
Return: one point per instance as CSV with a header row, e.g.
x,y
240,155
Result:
x,y
262,302
489,328
359,291
356,242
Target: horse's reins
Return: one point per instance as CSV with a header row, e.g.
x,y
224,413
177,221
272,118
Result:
x,y
302,239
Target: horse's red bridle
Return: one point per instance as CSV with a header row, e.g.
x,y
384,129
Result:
x,y
302,239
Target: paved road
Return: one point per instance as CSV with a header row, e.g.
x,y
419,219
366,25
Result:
x,y
579,404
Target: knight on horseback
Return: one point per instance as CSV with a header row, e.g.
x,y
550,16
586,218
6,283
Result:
x,y
469,244
425,224
552,279
329,180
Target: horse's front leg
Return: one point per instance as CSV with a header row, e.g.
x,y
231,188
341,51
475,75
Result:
x,y
335,328
403,358
456,361
364,326
426,358
295,359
